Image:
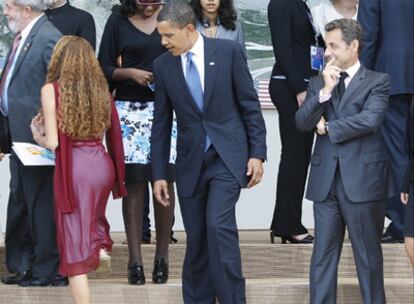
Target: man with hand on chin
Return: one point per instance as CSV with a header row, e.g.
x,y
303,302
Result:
x,y
221,147
350,176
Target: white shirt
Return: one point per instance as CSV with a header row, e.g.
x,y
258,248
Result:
x,y
198,58
324,13
24,34
351,71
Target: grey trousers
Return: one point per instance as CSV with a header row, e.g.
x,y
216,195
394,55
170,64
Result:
x,y
365,223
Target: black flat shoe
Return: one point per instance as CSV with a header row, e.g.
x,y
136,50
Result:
x,y
136,275
17,278
307,240
160,272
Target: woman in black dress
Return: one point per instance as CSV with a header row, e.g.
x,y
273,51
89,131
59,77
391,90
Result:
x,y
130,43
407,196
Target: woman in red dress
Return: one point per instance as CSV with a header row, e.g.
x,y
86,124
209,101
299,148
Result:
x,y
76,113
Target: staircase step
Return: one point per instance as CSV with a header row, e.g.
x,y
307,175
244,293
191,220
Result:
x,y
261,260
258,291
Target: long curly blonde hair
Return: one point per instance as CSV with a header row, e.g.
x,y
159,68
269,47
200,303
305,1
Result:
x,y
85,108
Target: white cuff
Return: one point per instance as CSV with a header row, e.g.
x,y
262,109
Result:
x,y
324,97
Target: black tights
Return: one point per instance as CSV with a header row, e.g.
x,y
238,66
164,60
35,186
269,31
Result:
x,y
133,213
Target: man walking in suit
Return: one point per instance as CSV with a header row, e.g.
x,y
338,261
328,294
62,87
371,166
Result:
x,y
389,48
220,149
350,178
31,252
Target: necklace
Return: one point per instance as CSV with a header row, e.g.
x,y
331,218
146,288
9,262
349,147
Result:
x,y
211,32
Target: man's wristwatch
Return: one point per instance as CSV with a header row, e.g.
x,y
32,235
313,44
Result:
x,y
326,127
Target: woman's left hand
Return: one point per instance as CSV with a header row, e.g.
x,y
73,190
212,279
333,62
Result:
x,y
38,126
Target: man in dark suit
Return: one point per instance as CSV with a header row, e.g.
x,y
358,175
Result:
x,y
292,34
389,48
220,149
70,20
407,193
350,178
31,252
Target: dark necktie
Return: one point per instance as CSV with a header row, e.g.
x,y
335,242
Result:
x,y
341,85
192,78
16,42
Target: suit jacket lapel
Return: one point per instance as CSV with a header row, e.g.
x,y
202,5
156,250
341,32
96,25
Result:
x,y
182,86
353,85
210,70
27,44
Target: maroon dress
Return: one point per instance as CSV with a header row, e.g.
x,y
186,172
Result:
x,y
85,174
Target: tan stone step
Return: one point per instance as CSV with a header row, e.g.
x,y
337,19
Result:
x,y
261,260
258,291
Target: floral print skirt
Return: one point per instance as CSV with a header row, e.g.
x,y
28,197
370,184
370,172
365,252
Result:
x,y
136,123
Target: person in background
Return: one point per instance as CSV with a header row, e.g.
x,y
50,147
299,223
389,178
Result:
x,y
70,20
130,44
293,35
407,194
388,47
218,19
334,9
77,111
32,256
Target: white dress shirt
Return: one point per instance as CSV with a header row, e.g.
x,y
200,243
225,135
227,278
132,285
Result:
x,y
24,34
198,58
351,71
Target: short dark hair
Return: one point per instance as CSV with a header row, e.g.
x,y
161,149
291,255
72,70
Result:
x,y
226,13
178,12
351,30
126,8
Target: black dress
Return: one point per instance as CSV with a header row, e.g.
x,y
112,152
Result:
x,y
124,45
70,20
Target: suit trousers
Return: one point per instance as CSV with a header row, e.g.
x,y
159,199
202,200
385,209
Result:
x,y
294,163
396,137
30,229
365,223
212,264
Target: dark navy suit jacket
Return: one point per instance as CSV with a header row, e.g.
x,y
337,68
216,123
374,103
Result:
x,y
388,28
231,116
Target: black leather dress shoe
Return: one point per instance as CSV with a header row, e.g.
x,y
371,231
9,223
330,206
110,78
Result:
x,y
36,282
57,281
160,272
17,278
388,238
136,275
60,281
